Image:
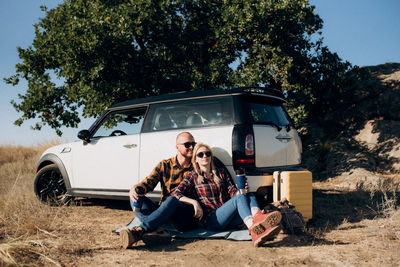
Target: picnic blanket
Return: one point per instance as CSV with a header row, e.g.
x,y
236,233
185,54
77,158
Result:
x,y
239,235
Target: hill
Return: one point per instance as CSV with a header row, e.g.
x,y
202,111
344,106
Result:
x,y
367,148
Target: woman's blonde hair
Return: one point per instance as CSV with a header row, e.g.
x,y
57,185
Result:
x,y
196,166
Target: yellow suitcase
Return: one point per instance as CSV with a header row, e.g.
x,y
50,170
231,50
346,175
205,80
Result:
x,y
295,186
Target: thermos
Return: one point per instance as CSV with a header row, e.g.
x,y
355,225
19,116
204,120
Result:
x,y
138,204
241,181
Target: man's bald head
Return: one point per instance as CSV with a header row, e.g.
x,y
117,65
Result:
x,y
183,136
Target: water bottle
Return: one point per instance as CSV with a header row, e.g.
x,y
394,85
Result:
x,y
138,204
241,181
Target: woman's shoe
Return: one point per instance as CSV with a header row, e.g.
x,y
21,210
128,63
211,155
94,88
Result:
x,y
270,233
263,221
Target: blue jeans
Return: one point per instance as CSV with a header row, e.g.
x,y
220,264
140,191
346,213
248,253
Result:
x,y
232,213
171,210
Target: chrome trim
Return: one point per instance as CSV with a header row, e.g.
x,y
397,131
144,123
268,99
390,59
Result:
x,y
110,193
283,137
66,150
130,145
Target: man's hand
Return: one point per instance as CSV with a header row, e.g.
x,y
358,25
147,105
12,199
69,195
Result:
x,y
132,194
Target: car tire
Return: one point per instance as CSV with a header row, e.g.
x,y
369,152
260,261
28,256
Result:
x,y
50,187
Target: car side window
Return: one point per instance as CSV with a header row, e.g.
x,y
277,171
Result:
x,y
189,114
121,123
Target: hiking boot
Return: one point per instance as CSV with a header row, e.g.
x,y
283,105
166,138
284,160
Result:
x,y
129,237
270,233
263,221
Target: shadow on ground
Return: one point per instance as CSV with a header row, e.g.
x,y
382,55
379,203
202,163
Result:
x,y
107,203
332,207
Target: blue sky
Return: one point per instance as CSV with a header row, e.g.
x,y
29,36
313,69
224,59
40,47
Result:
x,y
363,32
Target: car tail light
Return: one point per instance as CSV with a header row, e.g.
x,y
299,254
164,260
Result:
x,y
243,146
245,161
249,145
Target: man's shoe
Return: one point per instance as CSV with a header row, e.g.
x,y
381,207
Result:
x,y
263,221
270,233
129,237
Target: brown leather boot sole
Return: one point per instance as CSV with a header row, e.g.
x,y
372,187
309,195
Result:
x,y
268,234
272,220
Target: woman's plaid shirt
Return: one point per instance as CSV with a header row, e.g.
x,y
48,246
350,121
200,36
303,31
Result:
x,y
169,174
210,195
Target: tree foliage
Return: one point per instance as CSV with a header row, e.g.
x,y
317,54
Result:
x,y
92,54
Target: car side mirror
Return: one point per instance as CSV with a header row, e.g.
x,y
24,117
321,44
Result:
x,y
84,135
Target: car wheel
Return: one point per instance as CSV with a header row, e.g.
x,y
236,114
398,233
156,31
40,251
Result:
x,y
50,187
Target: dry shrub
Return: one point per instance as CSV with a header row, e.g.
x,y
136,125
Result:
x,y
9,154
386,192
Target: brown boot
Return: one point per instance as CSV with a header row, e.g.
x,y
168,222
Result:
x,y
129,237
262,221
270,233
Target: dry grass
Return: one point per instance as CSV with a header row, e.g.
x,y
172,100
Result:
x,y
23,219
349,224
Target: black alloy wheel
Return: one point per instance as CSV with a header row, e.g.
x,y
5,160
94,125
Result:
x,y
50,187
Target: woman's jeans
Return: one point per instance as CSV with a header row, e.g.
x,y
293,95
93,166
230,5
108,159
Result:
x,y
232,213
172,210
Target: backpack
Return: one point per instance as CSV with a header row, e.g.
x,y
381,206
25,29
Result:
x,y
292,220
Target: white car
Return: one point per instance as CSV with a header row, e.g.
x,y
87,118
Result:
x,y
246,127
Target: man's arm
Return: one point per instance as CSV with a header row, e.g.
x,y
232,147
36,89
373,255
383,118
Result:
x,y
148,183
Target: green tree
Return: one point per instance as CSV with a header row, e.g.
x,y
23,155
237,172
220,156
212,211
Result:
x,y
103,52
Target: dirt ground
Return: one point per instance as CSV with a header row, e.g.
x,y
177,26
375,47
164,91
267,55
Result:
x,y
354,226
346,237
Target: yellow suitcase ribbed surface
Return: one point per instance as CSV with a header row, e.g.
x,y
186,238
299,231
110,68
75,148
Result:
x,y
296,186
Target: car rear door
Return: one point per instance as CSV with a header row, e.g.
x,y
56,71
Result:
x,y
276,142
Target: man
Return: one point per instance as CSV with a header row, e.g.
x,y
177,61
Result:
x,y
169,173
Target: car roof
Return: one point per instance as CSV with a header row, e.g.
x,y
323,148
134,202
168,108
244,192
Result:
x,y
258,91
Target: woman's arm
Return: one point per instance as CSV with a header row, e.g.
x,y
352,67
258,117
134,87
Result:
x,y
185,186
231,188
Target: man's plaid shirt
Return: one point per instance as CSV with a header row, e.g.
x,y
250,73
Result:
x,y
169,174
210,195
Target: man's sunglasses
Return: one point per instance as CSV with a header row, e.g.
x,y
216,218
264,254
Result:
x,y
201,154
189,144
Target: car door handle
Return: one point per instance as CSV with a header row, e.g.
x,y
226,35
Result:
x,y
130,145
283,137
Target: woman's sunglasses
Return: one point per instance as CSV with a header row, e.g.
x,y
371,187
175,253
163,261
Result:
x,y
189,144
201,154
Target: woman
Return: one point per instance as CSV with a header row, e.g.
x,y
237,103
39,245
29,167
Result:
x,y
218,203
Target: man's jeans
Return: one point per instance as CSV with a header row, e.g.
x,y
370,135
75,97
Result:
x,y
232,213
171,210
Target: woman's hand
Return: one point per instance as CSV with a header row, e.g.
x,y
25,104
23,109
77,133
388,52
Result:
x,y
198,211
246,189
